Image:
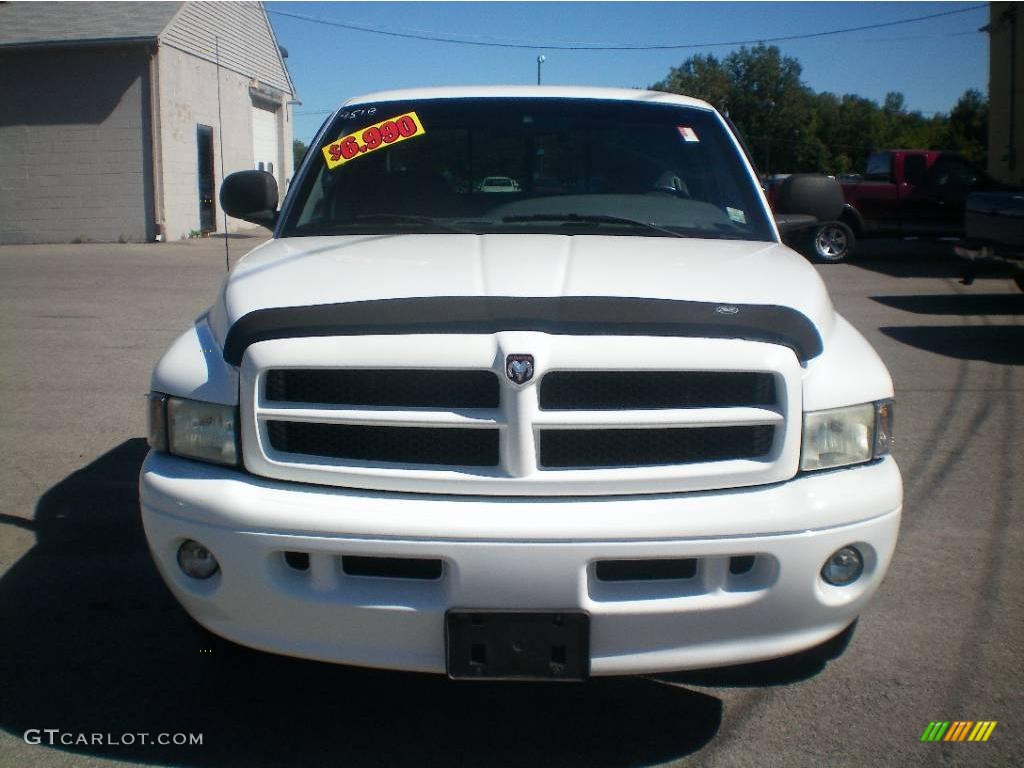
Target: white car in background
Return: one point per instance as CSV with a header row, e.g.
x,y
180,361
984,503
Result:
x,y
498,184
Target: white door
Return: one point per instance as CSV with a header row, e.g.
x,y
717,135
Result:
x,y
264,142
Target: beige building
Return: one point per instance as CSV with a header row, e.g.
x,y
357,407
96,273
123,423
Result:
x,y
1006,92
114,112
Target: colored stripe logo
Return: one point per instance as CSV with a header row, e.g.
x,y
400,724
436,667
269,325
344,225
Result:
x,y
958,730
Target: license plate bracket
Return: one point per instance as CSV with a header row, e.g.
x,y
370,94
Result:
x,y
511,645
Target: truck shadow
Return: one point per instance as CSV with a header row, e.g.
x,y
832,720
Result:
x,y
999,344
93,643
953,304
917,258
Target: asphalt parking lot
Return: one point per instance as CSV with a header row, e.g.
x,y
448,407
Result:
x,y
92,643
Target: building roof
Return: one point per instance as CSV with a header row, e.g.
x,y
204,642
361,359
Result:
x,y
236,35
239,34
24,24
530,91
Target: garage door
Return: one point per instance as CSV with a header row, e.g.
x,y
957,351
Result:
x,y
264,142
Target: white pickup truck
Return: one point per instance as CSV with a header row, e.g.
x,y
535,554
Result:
x,y
607,424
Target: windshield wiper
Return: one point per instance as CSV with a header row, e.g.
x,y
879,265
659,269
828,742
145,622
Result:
x,y
583,218
403,218
317,228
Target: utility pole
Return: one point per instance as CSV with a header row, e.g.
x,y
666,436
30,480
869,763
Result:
x,y
540,60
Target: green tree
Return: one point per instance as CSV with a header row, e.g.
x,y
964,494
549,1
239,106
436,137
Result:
x,y
703,77
761,91
770,105
298,151
894,103
967,127
789,127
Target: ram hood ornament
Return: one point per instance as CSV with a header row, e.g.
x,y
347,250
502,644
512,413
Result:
x,y
519,368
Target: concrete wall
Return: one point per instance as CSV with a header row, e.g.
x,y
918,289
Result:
x,y
74,146
1006,92
187,87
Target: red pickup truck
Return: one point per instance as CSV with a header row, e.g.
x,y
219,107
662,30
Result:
x,y
903,192
907,192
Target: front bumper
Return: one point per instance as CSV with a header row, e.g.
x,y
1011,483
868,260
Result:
x,y
521,554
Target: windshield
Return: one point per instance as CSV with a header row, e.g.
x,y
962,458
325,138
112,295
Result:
x,y
499,165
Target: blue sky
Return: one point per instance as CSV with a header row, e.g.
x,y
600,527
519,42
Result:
x,y
931,62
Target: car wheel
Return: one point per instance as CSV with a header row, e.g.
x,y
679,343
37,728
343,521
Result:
x,y
831,242
1018,278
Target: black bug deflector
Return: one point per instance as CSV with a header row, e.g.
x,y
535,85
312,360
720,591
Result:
x,y
566,315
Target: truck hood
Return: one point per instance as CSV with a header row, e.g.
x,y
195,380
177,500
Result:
x,y
322,271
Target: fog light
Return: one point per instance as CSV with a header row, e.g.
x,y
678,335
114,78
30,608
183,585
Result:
x,y
843,567
197,561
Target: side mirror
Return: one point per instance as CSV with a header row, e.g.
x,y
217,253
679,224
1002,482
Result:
x,y
810,194
250,196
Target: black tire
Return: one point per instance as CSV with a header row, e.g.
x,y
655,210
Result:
x,y
811,194
831,243
1018,278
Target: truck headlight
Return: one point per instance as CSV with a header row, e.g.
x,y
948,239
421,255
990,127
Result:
x,y
194,429
841,436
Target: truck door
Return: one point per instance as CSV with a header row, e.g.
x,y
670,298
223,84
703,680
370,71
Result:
x,y
916,207
943,191
936,193
877,196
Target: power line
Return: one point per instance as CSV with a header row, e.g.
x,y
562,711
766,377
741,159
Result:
x,y
553,47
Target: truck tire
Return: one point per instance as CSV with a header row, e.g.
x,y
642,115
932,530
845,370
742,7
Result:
x,y
831,242
812,194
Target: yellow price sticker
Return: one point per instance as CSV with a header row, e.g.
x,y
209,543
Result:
x,y
374,137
